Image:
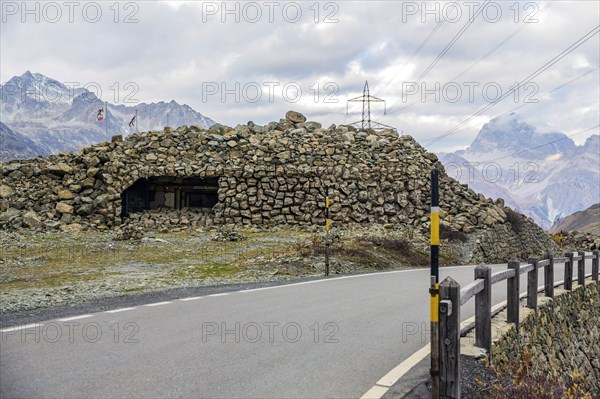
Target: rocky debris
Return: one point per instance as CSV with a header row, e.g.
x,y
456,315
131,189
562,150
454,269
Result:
x,y
227,233
276,174
576,241
129,232
6,191
295,117
71,228
170,220
31,220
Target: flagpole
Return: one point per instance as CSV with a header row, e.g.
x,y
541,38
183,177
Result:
x,y
136,125
106,117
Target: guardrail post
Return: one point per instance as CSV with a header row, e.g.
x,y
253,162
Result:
x,y
532,282
549,277
595,263
569,271
512,292
581,269
449,339
483,310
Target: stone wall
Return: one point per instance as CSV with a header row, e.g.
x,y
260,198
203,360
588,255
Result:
x,y
576,241
565,337
268,175
500,242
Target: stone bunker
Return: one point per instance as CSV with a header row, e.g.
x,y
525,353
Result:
x,y
276,174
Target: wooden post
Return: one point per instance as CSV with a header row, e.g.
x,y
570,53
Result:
x,y
483,310
549,277
581,269
449,339
512,292
569,271
532,282
595,263
434,290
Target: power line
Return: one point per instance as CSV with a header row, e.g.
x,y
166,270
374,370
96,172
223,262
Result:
x,y
539,71
574,79
448,46
417,50
546,92
492,51
545,144
500,44
454,40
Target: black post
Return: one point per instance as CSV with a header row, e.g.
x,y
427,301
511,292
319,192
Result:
x,y
434,285
435,225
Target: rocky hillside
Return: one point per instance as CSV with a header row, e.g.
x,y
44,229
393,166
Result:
x,y
586,221
14,145
267,175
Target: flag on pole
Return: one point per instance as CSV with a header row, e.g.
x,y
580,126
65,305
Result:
x,y
132,121
100,114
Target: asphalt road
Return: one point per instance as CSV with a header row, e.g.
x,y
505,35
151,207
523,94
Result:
x,y
331,338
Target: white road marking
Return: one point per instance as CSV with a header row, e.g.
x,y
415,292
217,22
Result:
x,y
221,294
158,303
375,393
119,310
397,372
192,298
83,316
25,327
348,277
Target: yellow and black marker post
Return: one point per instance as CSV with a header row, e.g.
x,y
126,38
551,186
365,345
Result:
x,y
327,232
434,286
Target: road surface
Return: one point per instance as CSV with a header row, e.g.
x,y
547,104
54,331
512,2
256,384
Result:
x,y
331,338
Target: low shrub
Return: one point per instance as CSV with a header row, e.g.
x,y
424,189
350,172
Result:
x,y
450,234
516,220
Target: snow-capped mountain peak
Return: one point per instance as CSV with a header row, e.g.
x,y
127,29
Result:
x,y
543,175
60,118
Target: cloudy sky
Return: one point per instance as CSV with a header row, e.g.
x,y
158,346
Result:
x,y
437,64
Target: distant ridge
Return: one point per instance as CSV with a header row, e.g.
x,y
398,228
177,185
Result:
x,y
586,221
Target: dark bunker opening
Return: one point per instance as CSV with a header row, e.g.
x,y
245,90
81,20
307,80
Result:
x,y
169,193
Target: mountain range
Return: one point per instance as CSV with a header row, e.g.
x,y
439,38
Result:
x,y
40,115
545,176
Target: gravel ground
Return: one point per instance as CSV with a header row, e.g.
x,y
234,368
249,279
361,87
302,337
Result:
x,y
416,383
472,371
56,270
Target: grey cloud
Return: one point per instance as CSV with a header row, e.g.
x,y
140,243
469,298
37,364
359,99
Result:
x,y
172,53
